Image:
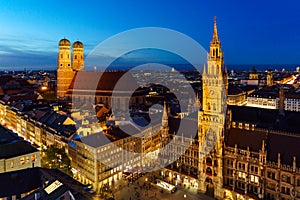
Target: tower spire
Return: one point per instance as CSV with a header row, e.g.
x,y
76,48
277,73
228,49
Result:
x,y
215,39
165,115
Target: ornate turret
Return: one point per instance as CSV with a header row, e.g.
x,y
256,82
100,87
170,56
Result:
x,y
78,56
215,38
215,52
165,116
165,125
64,71
64,58
64,42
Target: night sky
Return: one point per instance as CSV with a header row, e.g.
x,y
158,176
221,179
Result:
x,y
251,32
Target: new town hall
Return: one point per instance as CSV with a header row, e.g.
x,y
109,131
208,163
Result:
x,y
239,152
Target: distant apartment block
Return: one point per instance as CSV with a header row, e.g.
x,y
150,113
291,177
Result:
x,y
271,98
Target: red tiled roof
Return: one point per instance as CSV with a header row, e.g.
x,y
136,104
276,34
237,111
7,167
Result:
x,y
88,80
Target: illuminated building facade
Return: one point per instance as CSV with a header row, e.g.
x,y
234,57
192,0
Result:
x,y
212,119
201,164
275,97
236,96
101,158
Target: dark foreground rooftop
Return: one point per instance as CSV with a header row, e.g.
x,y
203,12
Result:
x,y
42,183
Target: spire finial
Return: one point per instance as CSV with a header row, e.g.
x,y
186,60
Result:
x,y
215,38
165,115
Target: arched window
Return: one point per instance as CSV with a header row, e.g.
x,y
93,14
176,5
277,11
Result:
x,y
75,57
61,56
209,161
208,171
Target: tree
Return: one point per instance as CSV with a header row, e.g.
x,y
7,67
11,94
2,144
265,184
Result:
x,y
54,157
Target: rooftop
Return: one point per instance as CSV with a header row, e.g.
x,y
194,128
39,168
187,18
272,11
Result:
x,y
11,145
41,181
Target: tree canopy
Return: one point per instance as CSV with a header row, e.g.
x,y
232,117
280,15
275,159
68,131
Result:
x,y
54,157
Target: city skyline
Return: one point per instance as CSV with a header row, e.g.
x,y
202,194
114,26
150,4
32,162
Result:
x,y
82,133
253,32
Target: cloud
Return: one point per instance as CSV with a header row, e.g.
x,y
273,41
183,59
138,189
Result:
x,y
13,58
33,53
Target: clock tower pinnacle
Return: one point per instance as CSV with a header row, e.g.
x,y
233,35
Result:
x,y
212,118
214,76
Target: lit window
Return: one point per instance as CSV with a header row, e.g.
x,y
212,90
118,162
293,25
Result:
x,y
22,161
33,158
256,179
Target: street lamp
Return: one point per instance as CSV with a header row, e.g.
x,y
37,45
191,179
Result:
x,y
184,196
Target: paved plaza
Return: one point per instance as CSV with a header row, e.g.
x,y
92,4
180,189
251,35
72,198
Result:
x,y
142,189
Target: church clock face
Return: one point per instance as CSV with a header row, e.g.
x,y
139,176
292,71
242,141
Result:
x,y
211,92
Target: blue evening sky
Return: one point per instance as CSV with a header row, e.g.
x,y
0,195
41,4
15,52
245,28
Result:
x,y
251,32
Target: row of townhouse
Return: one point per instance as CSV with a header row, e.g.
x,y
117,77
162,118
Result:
x,y
34,120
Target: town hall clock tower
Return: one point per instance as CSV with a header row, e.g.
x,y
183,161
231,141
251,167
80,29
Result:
x,y
211,120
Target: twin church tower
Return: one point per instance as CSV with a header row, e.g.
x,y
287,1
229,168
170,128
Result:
x,y
68,64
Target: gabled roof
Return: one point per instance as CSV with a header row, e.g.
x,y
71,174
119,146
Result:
x,y
89,80
19,182
16,148
280,130
19,97
7,136
11,145
245,138
267,118
234,89
35,180
61,123
286,145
